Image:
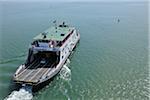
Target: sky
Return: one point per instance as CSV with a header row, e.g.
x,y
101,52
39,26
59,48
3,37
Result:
x,y
77,0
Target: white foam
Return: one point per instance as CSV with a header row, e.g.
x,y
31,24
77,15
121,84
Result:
x,y
22,94
67,62
65,73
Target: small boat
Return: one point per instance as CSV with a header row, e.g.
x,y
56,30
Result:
x,y
47,54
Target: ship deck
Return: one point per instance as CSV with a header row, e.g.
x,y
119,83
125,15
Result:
x,y
34,72
52,33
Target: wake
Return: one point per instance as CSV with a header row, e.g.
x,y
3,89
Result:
x,y
3,61
25,93
65,72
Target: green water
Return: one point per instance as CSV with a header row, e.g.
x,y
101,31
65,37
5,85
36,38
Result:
x,y
110,62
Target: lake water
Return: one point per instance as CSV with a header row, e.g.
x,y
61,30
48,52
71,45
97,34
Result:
x,y
109,63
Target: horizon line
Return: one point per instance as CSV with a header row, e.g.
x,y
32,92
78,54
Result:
x,y
69,1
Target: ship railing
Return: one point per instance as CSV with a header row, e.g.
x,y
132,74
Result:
x,y
45,49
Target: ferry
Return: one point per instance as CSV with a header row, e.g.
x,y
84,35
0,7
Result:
x,y
47,54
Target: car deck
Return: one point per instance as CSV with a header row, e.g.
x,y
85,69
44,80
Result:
x,y
34,72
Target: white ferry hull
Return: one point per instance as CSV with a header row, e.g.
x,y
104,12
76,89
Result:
x,y
65,50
